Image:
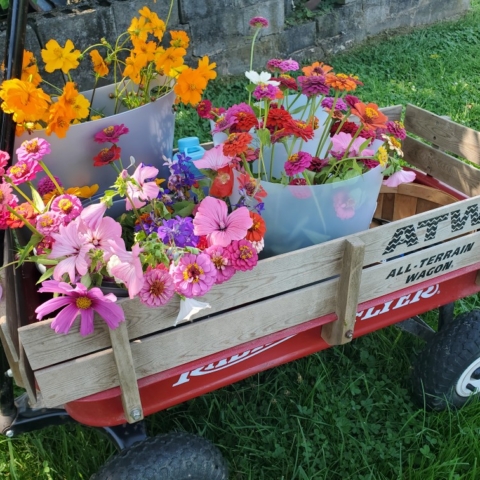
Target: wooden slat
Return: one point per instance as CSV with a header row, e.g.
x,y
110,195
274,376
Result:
x,y
444,133
28,379
442,166
341,330
405,206
97,372
9,349
426,193
394,113
132,405
272,276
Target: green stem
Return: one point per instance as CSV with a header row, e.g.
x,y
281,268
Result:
x,y
50,176
24,220
19,191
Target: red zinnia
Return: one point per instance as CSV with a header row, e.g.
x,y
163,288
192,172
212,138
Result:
x,y
222,184
106,156
244,121
257,231
347,127
236,144
26,211
278,118
302,130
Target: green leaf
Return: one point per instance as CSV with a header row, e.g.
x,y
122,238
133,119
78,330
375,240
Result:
x,y
184,209
48,274
37,200
264,136
34,239
86,280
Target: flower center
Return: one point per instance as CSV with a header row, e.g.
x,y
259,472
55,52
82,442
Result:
x,y
65,205
219,262
157,288
18,170
2,196
106,155
108,131
83,302
371,113
395,142
58,52
192,272
293,158
245,252
46,221
31,147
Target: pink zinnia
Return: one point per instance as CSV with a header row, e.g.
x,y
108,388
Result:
x,y
24,171
313,85
243,254
34,149
213,159
69,206
222,262
397,129
6,196
212,219
144,189
111,134
45,185
297,163
266,91
78,300
194,275
344,205
258,22
4,158
158,288
49,222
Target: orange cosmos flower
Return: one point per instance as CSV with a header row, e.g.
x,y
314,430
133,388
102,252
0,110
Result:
x,y
58,58
169,59
30,69
179,39
138,29
316,68
156,26
75,104
257,231
190,86
26,102
99,65
145,51
206,69
369,115
59,121
83,192
341,82
133,67
236,144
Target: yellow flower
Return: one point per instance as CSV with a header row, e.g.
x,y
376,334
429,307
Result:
x,y
144,51
138,29
83,192
133,67
169,59
76,105
156,26
179,39
206,69
26,102
96,117
99,65
190,86
382,156
58,58
30,69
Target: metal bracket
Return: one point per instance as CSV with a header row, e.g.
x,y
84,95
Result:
x,y
416,326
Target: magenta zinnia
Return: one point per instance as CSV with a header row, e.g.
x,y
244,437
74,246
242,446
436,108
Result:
x,y
111,134
297,163
194,275
243,254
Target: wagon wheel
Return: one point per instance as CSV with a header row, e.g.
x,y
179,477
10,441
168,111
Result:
x,y
174,456
447,372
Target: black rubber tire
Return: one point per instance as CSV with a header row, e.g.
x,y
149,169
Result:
x,y
446,357
173,456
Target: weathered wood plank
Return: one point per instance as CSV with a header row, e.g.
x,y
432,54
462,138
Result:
x,y
9,348
122,354
394,113
444,133
97,372
272,276
341,330
405,206
442,166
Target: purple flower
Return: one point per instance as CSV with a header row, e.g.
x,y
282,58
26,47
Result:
x,y
194,275
266,91
78,300
297,163
46,185
313,85
327,102
282,66
158,287
34,149
178,231
258,22
111,134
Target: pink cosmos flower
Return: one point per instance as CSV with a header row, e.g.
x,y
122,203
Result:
x,y
194,275
142,191
49,222
297,163
127,267
6,196
158,288
258,22
34,149
214,159
212,219
221,260
344,205
4,158
402,176
69,242
111,134
78,300
341,141
68,206
243,255
24,171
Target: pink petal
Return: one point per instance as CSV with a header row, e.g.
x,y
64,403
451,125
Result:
x,y
112,313
403,176
64,320
211,216
213,159
220,238
238,222
86,322
51,305
65,266
93,214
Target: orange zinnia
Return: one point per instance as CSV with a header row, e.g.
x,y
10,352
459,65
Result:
x,y
26,102
179,39
257,231
75,104
30,69
236,144
369,115
190,86
341,82
99,65
316,68
58,58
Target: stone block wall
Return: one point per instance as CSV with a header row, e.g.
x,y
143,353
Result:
x,y
220,29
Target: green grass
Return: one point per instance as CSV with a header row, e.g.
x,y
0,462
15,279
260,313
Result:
x,y
345,413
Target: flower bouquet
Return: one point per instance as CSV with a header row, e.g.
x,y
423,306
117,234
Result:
x,y
143,72
319,152
169,241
